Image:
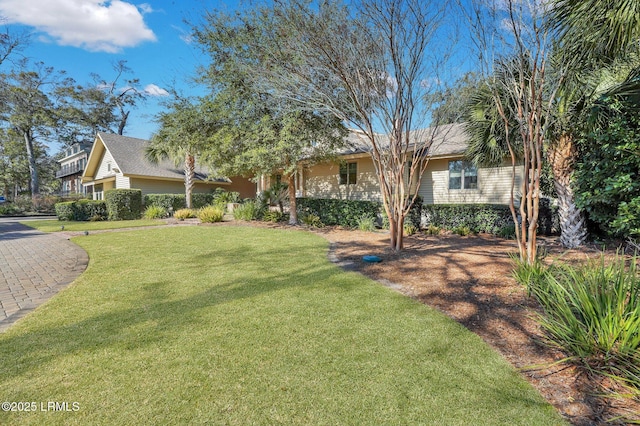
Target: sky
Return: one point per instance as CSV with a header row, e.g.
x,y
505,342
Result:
x,y
83,37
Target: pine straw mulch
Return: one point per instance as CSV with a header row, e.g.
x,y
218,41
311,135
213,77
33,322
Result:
x,y
469,279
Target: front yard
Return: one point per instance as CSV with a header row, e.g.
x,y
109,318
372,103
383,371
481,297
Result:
x,y
238,325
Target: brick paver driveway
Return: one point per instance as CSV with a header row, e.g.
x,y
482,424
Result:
x,y
34,266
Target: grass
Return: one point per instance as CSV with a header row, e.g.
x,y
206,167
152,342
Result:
x,y
54,225
240,325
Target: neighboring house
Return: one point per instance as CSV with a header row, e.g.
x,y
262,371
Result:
x,y
71,167
448,177
119,162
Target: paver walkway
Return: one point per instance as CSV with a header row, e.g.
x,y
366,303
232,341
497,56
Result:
x,y
34,266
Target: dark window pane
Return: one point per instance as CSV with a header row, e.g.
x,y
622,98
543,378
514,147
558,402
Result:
x,y
353,171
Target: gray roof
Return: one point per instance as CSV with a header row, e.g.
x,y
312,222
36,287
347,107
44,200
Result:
x,y
444,140
129,155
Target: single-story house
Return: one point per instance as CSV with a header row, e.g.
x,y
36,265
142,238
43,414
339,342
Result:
x,y
448,177
119,162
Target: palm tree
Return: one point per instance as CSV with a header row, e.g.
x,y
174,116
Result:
x,y
576,97
595,31
181,138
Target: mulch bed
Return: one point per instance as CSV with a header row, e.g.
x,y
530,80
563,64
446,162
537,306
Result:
x,y
469,279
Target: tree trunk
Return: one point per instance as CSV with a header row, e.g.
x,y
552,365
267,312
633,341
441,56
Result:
x,y
573,232
293,208
123,122
34,185
189,175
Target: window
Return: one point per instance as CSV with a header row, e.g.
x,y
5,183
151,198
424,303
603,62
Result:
x,y
348,172
462,175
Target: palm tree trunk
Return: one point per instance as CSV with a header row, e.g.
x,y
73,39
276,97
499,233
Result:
x,y
189,176
573,232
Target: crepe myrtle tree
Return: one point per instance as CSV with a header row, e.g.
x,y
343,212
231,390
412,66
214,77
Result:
x,y
369,65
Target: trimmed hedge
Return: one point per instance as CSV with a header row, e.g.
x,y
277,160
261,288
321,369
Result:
x,y
82,210
200,200
123,204
176,202
489,218
167,201
337,212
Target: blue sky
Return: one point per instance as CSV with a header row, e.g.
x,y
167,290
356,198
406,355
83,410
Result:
x,y
88,36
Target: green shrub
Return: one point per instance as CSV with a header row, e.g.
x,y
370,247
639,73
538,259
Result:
x,y
489,218
311,219
272,216
462,230
249,210
123,204
82,210
183,214
64,210
414,217
170,202
199,200
507,232
592,313
9,209
432,230
210,214
367,223
221,197
155,212
337,212
409,229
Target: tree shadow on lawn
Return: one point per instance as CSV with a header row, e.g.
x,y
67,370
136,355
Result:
x,y
469,279
41,345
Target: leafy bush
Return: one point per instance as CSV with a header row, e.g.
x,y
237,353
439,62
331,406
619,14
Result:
x,y
210,214
462,230
311,220
82,210
338,212
155,212
409,229
221,197
183,214
249,210
123,204
170,202
432,230
367,223
44,203
489,218
272,216
606,182
414,217
507,232
9,209
593,314
199,200
64,210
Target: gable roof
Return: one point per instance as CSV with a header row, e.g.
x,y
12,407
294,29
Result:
x,y
129,156
445,140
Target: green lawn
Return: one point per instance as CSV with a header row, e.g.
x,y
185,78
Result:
x,y
239,325
54,225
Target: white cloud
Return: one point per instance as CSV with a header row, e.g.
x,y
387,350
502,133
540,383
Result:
x,y
95,25
153,90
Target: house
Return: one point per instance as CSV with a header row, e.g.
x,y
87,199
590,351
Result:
x,y
71,167
448,177
119,162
